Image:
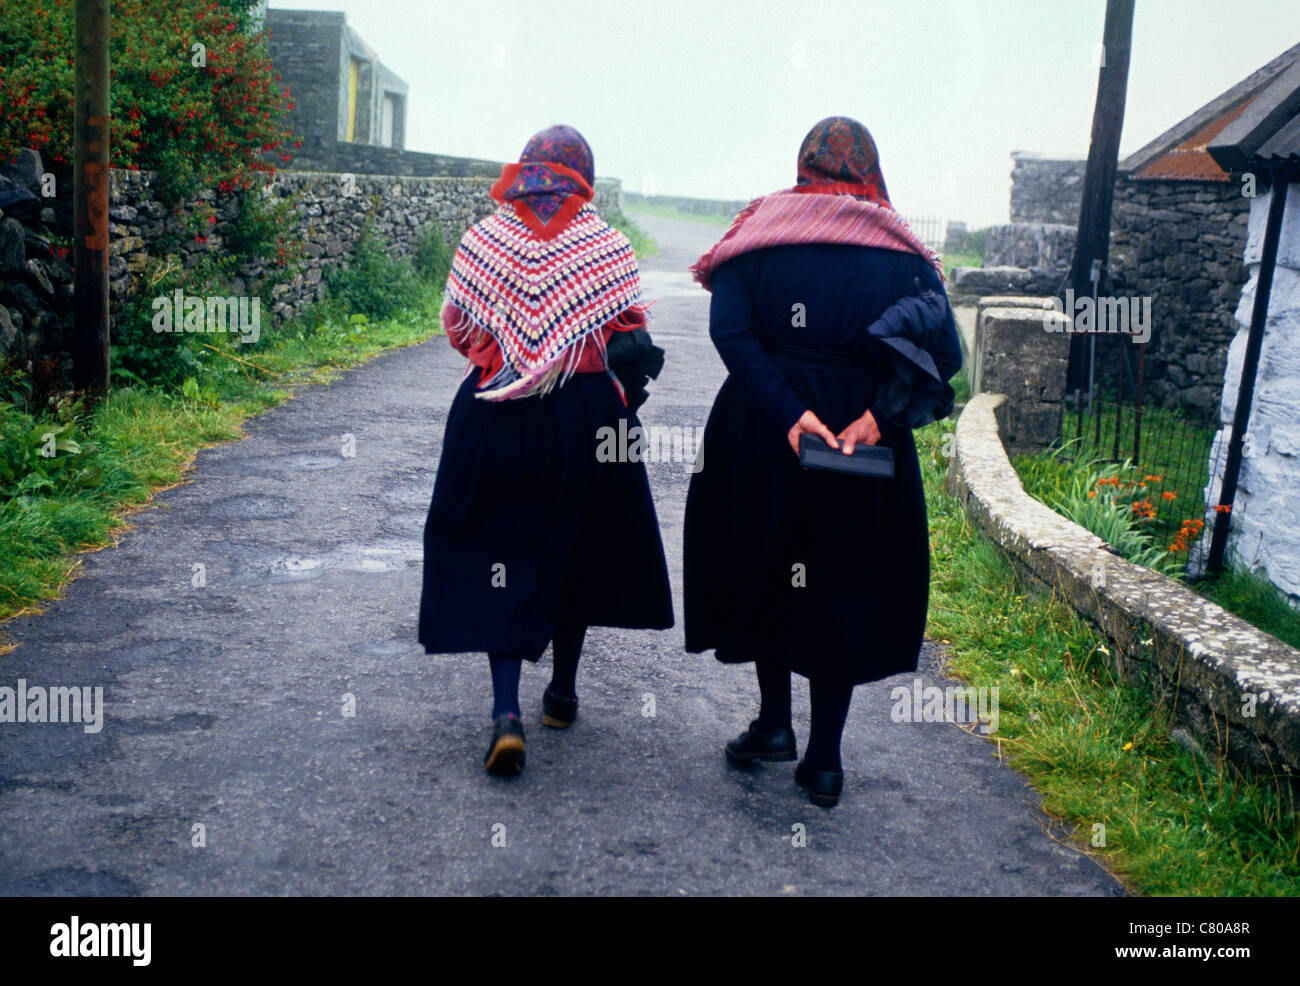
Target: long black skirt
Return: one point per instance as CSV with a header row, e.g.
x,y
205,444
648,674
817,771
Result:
x,y
528,532
826,573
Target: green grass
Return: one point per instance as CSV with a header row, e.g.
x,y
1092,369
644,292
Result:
x,y
960,259
1177,451
642,244
1094,745
961,387
141,439
1173,447
1255,600
674,212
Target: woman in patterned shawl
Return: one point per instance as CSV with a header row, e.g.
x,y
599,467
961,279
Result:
x,y
815,289
517,541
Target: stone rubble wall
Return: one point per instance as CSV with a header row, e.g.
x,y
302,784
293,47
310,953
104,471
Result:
x,y
699,207
36,291
1181,242
1045,190
1211,669
1017,357
1030,245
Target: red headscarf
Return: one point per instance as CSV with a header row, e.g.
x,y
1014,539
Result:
x,y
551,182
838,156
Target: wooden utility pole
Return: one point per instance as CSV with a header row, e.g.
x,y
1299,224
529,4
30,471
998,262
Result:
x,y
1093,240
90,199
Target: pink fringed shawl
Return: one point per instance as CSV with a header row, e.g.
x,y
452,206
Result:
x,y
793,217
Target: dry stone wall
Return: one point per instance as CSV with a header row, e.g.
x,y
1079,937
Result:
x,y
330,211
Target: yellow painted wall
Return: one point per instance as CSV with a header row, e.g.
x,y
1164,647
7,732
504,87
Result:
x,y
353,74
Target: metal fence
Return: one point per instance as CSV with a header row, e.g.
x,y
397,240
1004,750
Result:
x,y
929,228
1108,421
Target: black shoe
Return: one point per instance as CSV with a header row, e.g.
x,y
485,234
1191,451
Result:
x,y
768,745
505,757
824,786
558,712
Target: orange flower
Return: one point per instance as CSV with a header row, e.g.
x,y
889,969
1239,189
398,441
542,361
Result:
x,y
1169,495
1155,479
1223,508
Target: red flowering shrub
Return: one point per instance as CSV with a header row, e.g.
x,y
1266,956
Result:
x,y
202,117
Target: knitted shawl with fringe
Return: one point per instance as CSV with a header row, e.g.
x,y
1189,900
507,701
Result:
x,y
542,299
795,216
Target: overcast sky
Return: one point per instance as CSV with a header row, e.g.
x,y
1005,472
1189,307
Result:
x,y
712,97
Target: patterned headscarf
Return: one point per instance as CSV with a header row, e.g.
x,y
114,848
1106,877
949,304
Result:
x,y
838,159
544,274
553,179
839,156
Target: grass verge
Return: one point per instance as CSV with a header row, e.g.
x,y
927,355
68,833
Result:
x,y
1096,746
642,244
141,439
674,212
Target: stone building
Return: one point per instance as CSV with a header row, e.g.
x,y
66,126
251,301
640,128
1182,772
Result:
x,y
1177,233
350,110
342,92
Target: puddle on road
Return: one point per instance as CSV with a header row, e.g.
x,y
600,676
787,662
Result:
x,y
151,653
251,506
391,648
276,567
302,460
408,493
407,524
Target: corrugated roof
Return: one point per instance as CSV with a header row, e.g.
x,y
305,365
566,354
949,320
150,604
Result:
x,y
1283,145
1215,109
1190,161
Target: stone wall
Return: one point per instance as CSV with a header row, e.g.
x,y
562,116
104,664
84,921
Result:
x,y
1016,356
1045,190
1180,242
1230,690
1177,241
35,299
1049,245
699,207
342,157
1265,531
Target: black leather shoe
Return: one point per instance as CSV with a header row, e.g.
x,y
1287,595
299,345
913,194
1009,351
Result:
x,y
766,745
558,712
824,786
505,756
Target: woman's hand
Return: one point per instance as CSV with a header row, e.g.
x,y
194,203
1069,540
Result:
x,y
810,423
863,431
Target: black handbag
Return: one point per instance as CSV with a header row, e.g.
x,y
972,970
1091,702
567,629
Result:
x,y
875,461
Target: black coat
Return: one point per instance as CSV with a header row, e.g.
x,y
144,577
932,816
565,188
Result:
x,y
826,572
517,540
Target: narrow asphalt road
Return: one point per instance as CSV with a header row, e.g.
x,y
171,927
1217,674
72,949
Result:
x,y
277,730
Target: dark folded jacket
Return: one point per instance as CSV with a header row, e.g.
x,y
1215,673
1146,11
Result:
x,y
913,393
635,360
